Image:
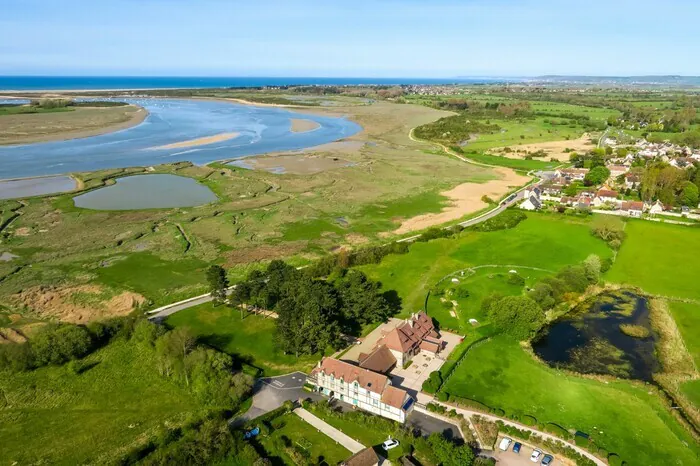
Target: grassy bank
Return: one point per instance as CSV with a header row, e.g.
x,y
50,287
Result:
x,y
51,415
251,340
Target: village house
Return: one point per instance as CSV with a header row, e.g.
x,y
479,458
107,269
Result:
x,y
633,209
362,388
657,208
572,174
632,180
366,457
682,162
617,170
550,189
532,199
604,196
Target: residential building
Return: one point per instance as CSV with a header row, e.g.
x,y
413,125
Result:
x,y
633,209
656,208
414,335
606,196
366,457
531,203
573,174
632,180
617,170
362,388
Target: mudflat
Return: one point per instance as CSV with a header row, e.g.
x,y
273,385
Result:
x,y
81,122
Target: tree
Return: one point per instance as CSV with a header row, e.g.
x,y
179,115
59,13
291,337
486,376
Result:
x,y
449,453
596,176
172,350
592,267
361,298
218,283
543,294
689,195
608,228
574,276
240,296
517,316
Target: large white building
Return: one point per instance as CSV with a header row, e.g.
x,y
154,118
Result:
x,y
362,388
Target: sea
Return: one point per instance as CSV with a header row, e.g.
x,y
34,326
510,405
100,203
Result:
x,y
68,83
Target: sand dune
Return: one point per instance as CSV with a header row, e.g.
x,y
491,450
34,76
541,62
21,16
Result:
x,y
466,198
199,141
554,149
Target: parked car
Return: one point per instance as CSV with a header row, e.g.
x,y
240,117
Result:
x,y
389,444
535,457
505,443
516,447
547,459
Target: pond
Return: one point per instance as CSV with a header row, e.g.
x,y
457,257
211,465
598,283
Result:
x,y
591,339
147,192
27,187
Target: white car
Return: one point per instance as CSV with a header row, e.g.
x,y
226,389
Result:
x,y
505,443
389,444
535,457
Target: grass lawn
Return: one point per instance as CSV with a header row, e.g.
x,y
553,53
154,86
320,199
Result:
x,y
517,164
687,317
545,241
299,432
619,416
250,339
52,416
480,285
659,258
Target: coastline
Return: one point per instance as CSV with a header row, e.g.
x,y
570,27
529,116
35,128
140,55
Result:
x,y
136,117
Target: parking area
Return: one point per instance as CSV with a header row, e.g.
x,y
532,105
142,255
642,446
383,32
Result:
x,y
412,378
509,458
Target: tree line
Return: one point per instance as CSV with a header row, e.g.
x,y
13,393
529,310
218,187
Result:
x,y
312,313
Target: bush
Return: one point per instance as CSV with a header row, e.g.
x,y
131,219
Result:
x,y
510,218
433,382
557,430
443,396
614,460
516,279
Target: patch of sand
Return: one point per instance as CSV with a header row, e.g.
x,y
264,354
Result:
x,y
10,335
554,149
199,141
60,303
355,238
23,231
465,199
302,126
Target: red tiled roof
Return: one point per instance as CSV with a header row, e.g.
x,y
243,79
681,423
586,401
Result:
x,y
431,346
394,396
607,193
366,457
409,334
632,206
379,360
367,379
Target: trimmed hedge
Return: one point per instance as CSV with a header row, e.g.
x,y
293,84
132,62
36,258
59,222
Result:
x,y
556,429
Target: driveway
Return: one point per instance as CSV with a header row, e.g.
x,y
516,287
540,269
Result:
x,y
348,442
270,393
411,379
429,424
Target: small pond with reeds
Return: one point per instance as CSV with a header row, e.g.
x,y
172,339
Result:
x,y
609,334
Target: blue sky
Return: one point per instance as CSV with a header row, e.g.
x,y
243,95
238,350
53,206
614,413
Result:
x,y
380,38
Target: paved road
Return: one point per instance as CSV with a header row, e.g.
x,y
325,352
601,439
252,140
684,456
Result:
x,y
428,424
351,444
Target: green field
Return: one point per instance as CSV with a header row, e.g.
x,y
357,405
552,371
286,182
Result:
x,y
52,416
528,131
250,340
545,241
300,433
687,317
620,417
516,164
659,258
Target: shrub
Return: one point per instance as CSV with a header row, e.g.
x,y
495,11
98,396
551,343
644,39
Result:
x,y
443,396
557,430
510,218
433,382
516,279
614,460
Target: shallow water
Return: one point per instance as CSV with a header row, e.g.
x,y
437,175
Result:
x,y
147,192
589,339
12,189
261,129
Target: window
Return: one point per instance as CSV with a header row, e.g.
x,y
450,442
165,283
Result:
x,y
376,403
